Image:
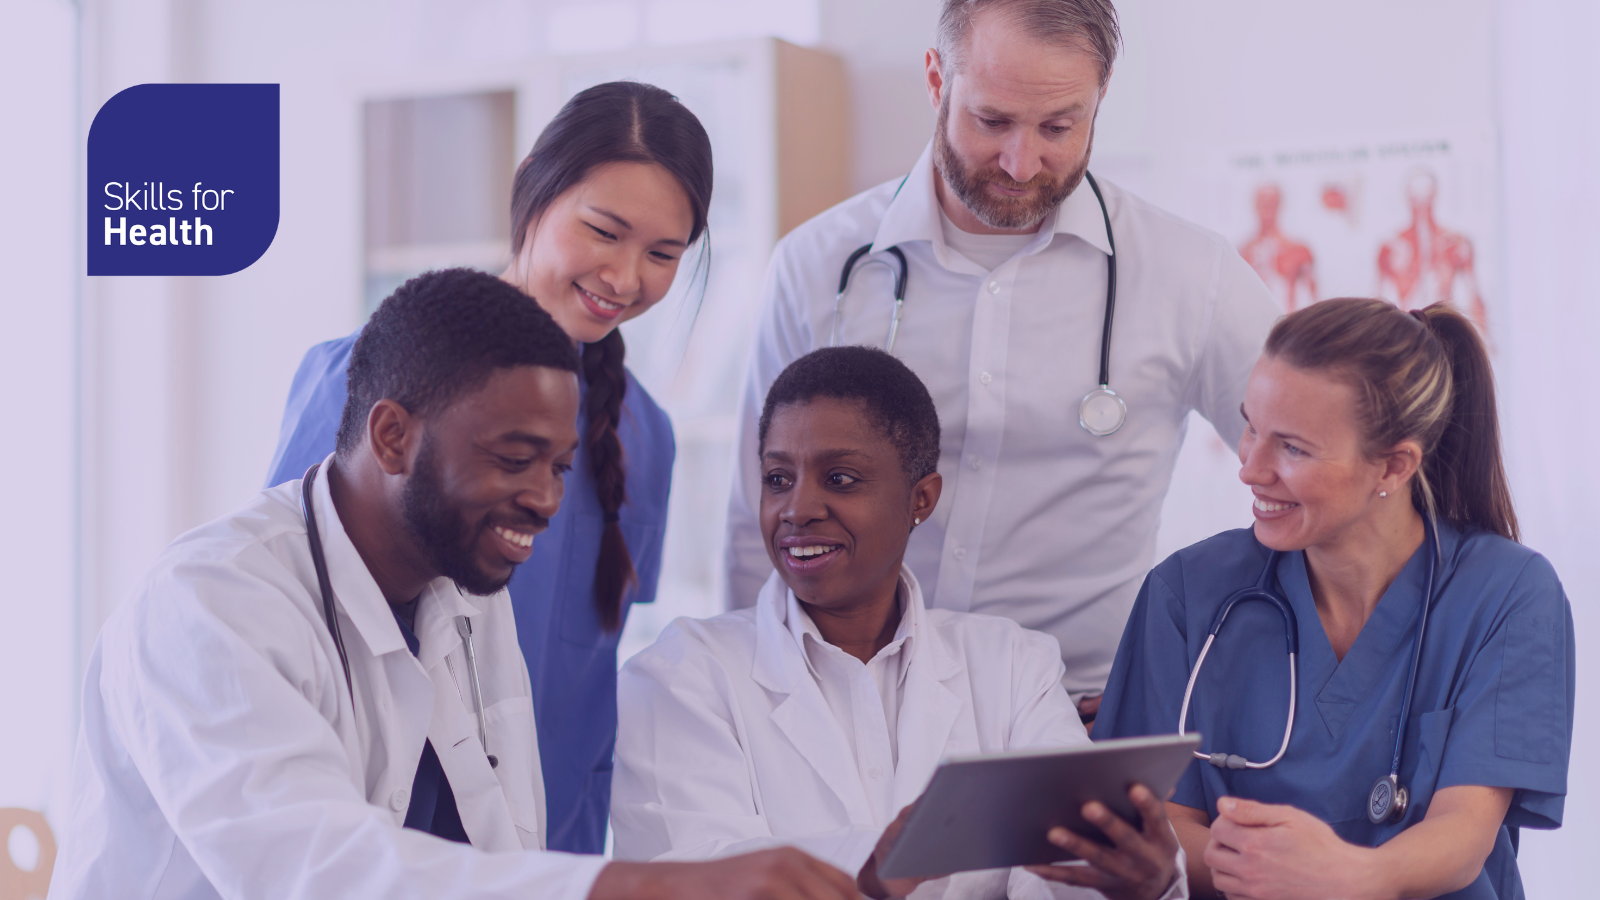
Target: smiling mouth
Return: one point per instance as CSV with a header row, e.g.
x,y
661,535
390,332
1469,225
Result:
x,y
604,304
1271,506
812,551
519,538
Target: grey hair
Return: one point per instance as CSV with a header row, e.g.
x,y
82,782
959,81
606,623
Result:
x,y
1089,25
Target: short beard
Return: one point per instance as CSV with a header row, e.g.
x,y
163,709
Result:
x,y
440,529
1011,214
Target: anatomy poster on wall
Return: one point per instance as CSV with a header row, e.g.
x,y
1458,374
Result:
x,y
1411,220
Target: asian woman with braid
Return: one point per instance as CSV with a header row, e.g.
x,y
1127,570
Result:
x,y
613,195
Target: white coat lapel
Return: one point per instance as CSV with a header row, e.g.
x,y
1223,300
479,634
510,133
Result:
x,y
453,728
929,709
803,716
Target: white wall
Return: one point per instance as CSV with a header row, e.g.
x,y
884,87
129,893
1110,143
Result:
x,y
1549,109
38,546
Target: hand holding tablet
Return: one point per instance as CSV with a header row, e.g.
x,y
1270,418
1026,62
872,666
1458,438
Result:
x,y
1102,803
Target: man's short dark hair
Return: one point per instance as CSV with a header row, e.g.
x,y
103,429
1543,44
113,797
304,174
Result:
x,y
895,399
441,335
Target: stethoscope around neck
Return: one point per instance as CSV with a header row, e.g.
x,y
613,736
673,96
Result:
x,y
1388,799
325,586
1101,411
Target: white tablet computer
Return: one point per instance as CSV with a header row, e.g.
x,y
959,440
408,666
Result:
x,y
993,810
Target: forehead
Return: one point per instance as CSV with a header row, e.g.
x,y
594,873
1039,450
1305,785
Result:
x,y
1313,403
533,399
1004,65
645,194
825,423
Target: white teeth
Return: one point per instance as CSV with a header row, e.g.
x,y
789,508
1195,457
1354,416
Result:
x,y
1269,506
606,305
515,537
817,550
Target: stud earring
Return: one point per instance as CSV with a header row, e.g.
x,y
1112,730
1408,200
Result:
x,y
916,522
1383,493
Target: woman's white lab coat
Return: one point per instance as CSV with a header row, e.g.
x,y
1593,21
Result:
x,y
220,755
726,743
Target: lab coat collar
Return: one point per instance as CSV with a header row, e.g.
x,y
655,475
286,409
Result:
x,y
913,215
928,712
357,593
801,625
775,665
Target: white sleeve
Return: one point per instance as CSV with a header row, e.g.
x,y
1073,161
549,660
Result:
x,y
782,336
683,787
1242,315
1043,715
214,693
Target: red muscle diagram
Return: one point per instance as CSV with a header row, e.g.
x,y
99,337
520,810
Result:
x,y
1286,265
1426,262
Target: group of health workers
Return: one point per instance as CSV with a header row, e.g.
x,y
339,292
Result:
x,y
394,671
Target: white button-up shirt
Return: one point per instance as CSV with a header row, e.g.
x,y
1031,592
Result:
x,y
865,697
1040,521
221,755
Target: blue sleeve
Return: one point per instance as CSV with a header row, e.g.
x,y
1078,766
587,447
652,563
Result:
x,y
311,417
1512,725
1145,691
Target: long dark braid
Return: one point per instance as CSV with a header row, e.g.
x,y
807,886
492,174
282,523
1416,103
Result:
x,y
608,382
621,121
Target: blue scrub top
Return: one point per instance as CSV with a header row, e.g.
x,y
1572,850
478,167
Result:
x,y
571,661
1493,703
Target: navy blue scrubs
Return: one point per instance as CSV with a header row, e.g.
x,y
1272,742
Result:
x,y
1493,703
571,660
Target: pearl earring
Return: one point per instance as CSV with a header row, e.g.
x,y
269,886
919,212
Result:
x,y
1383,493
915,522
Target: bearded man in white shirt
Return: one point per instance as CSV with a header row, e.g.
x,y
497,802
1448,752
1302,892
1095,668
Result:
x,y
1010,255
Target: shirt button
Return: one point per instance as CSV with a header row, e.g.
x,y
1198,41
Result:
x,y
994,287
400,799
961,553
977,463
985,378
875,772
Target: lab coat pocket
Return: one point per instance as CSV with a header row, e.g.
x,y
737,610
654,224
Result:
x,y
515,743
1530,703
580,621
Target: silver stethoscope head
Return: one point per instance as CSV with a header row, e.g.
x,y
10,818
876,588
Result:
x,y
1388,799
1101,411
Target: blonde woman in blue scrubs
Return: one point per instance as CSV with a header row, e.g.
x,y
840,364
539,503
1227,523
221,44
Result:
x,y
1362,419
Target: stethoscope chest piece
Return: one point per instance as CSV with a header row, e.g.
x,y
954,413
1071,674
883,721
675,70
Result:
x,y
1102,412
1387,801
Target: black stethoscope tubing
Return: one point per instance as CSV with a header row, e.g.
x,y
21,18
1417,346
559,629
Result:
x,y
325,585
1388,799
1101,411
